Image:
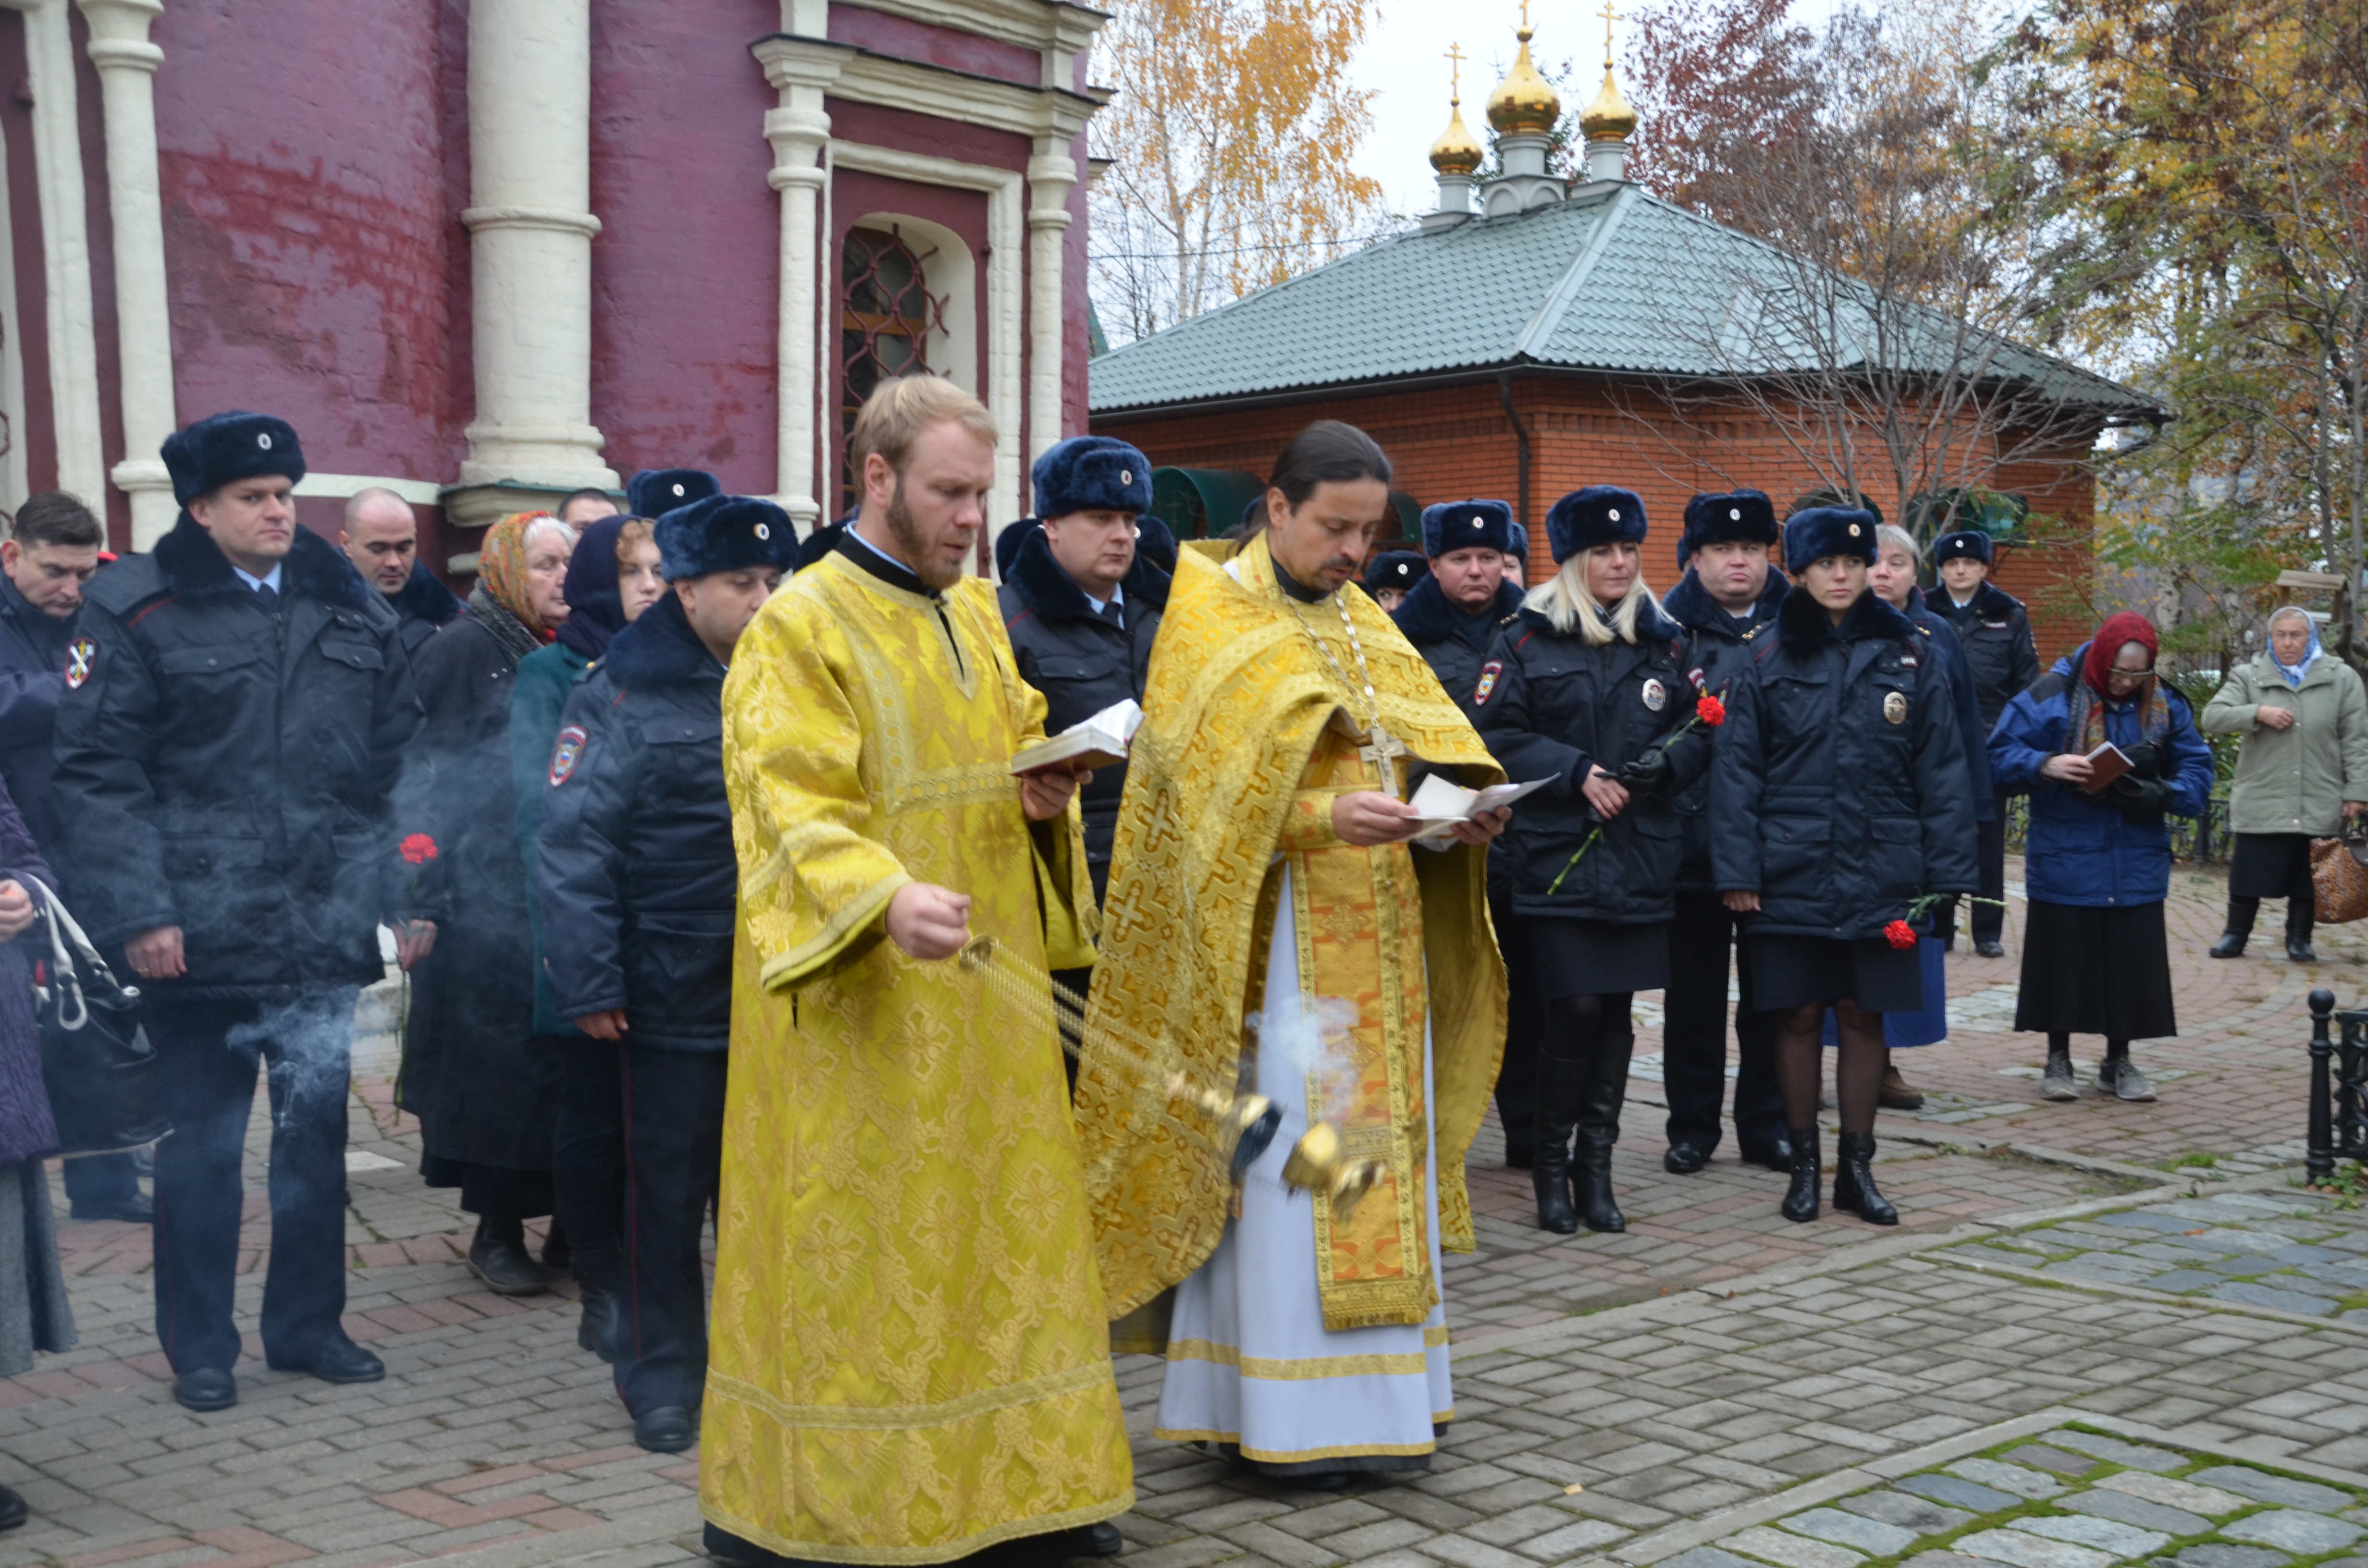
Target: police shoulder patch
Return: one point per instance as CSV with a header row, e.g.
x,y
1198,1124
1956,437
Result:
x,y
79,654
565,754
1488,673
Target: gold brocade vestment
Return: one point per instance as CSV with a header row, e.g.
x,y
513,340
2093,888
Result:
x,y
1249,734
909,1354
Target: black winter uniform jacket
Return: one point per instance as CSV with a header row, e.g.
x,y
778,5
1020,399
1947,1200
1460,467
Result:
x,y
1082,663
1550,707
1720,654
1452,643
1995,633
228,770
424,606
636,855
1839,791
32,680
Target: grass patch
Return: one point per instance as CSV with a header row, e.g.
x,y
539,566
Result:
x,y
2193,1160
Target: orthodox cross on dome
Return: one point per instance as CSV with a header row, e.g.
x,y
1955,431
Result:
x,y
1610,16
1455,72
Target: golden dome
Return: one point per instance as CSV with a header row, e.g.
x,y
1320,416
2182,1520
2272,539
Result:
x,y
1524,102
1455,153
1608,118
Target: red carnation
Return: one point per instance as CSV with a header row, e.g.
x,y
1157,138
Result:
x,y
1710,711
1899,934
420,849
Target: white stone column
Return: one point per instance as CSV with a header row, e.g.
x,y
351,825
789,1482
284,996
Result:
x,y
800,71
65,252
127,66
531,229
1050,177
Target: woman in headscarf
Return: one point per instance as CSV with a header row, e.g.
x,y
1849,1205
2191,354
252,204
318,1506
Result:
x,y
612,576
2097,857
482,1094
2302,770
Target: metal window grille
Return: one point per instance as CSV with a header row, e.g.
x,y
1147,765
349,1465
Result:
x,y
885,317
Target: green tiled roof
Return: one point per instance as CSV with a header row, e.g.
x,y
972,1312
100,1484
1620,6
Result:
x,y
1615,279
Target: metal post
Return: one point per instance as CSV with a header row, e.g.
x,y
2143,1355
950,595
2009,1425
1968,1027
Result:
x,y
2319,1166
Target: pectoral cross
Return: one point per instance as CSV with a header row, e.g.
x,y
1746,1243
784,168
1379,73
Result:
x,y
1380,751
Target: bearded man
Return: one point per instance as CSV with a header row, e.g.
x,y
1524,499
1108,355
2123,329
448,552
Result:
x,y
909,1360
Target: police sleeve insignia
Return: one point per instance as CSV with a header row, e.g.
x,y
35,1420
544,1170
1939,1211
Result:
x,y
565,754
79,654
1488,673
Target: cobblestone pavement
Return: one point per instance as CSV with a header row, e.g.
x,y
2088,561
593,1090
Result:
x,y
1727,1372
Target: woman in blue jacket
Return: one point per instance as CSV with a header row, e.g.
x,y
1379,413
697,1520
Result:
x,y
1837,799
2095,960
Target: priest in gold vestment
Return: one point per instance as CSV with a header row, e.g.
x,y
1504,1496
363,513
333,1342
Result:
x,y
910,1354
1262,871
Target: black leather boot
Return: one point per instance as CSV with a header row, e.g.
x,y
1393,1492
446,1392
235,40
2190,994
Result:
x,y
1801,1198
1854,1189
599,1275
1561,1085
1599,1130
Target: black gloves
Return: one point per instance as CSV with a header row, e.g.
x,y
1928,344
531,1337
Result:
x,y
2146,760
2140,800
1648,777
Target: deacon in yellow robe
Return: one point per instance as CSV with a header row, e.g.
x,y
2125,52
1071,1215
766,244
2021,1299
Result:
x,y
1261,874
910,1351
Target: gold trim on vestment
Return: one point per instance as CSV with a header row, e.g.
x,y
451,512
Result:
x,y
903,1417
1306,1456
913,1556
803,961
1300,1370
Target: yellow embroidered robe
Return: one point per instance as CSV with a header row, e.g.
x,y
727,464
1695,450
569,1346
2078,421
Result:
x,y
1245,743
909,1356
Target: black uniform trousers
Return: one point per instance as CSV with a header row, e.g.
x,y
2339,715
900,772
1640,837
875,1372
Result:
x,y
1694,1032
674,1160
587,1141
206,1055
1517,1079
1989,922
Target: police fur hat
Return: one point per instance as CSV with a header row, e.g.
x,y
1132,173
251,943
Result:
x,y
1598,513
1399,569
1732,516
1966,544
1091,474
1828,530
724,533
655,492
1007,543
228,448
1156,542
1469,525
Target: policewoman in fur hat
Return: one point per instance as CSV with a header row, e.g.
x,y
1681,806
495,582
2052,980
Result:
x,y
637,870
1588,688
238,708
1837,799
1451,615
1994,630
1390,575
1730,590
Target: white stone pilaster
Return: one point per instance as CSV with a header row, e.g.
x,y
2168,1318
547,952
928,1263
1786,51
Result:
x,y
531,229
1051,173
65,250
800,71
127,64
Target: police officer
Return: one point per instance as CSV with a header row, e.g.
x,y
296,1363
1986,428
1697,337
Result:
x,y
382,539
638,873
1729,592
1082,605
1995,633
237,707
1392,574
1449,615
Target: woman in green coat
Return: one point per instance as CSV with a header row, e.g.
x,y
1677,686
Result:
x,y
2303,770
612,576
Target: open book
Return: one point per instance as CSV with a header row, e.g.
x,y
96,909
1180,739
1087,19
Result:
x,y
1099,741
2107,763
1444,802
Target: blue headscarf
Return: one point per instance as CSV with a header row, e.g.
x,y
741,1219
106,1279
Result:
x,y
2294,671
596,605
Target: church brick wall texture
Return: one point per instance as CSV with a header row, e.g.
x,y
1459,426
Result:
x,y
1447,443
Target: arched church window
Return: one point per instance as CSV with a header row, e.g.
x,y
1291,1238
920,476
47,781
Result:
x,y
885,325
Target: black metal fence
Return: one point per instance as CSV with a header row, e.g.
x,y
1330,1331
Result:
x,y
2339,1088
2202,840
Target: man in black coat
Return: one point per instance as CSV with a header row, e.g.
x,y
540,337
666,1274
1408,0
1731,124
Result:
x,y
382,539
237,706
1472,588
639,884
1729,592
45,563
1082,605
1995,633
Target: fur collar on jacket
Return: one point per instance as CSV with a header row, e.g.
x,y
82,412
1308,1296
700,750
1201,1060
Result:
x,y
658,648
1653,623
1690,605
426,597
193,564
1054,594
1429,616
1803,622
1989,602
